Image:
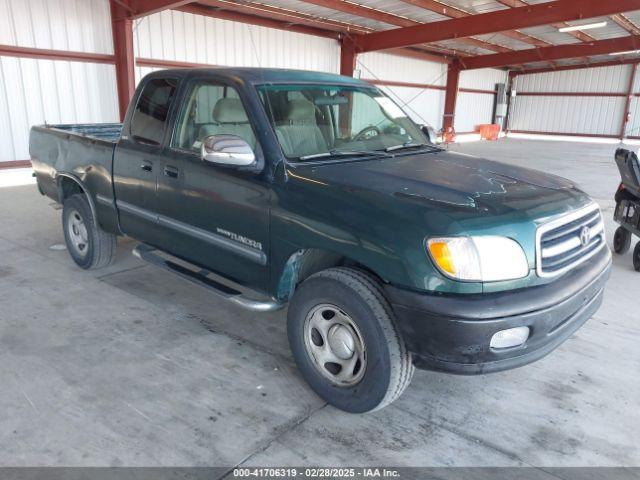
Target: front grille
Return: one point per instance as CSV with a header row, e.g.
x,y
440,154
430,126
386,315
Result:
x,y
569,240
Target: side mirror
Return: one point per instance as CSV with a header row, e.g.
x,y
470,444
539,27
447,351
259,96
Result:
x,y
431,133
227,150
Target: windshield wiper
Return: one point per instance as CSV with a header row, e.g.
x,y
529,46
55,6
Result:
x,y
343,153
407,145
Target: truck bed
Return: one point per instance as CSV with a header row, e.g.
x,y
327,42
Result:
x,y
80,153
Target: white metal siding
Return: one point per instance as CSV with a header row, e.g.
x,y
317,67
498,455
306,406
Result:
x,y
482,79
633,127
173,35
472,109
33,91
424,106
613,79
140,72
77,25
383,66
590,115
574,115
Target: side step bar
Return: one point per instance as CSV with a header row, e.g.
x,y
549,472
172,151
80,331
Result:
x,y
201,277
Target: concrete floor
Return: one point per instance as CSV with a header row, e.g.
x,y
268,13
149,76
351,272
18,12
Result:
x,y
131,366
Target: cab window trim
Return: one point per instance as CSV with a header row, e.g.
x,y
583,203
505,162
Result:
x,y
188,90
172,103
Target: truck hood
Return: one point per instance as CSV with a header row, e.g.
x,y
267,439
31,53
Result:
x,y
451,181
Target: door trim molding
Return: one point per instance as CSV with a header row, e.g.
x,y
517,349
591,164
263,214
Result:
x,y
244,251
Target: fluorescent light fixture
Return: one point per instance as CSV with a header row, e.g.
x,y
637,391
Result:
x,y
626,52
586,26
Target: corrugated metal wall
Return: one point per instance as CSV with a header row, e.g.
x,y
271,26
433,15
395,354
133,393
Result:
x,y
172,35
77,25
33,92
633,127
587,115
37,91
425,106
473,109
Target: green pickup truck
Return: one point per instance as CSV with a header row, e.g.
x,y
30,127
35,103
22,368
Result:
x,y
273,187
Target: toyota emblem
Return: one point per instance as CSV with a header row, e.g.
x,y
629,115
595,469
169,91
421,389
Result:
x,y
585,236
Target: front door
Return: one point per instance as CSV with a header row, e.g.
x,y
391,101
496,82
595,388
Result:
x,y
215,216
138,160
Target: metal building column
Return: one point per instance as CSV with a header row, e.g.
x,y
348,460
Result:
x,y
122,31
627,106
348,56
510,85
451,96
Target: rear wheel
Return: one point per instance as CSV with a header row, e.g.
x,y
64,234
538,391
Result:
x,y
89,245
621,240
343,336
636,257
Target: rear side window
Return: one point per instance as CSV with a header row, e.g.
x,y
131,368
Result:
x,y
149,118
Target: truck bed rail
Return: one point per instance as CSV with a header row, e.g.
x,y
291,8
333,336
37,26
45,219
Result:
x,y
109,132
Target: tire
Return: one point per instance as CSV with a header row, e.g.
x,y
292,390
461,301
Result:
x,y
352,301
621,240
636,257
89,246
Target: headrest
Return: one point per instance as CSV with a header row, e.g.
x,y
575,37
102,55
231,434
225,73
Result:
x,y
229,110
301,110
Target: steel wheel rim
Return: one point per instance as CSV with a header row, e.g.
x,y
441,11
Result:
x,y
77,232
334,345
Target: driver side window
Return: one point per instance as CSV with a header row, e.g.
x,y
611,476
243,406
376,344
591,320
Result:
x,y
211,109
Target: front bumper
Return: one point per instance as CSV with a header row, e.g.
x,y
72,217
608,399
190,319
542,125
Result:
x,y
452,333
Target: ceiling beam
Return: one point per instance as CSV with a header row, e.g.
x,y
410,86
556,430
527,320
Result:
x,y
578,66
391,19
274,17
420,55
140,8
43,53
583,37
558,52
494,22
257,20
454,12
291,16
625,23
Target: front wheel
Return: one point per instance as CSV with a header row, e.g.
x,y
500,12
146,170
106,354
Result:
x,y
345,342
88,245
621,240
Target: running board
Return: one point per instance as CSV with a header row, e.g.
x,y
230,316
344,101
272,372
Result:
x,y
201,277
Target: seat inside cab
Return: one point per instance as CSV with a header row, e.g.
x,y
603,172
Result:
x,y
298,133
229,118
212,110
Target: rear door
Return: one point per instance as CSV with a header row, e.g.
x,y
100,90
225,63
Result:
x,y
138,159
215,216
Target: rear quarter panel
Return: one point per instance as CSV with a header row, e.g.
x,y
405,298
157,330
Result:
x,y
56,154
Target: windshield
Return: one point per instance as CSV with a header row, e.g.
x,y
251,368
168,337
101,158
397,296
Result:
x,y
314,121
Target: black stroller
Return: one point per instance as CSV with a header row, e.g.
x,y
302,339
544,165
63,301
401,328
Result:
x,y
627,198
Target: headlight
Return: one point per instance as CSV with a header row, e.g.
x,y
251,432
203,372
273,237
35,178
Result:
x,y
479,259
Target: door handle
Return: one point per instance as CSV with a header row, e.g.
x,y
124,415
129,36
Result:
x,y
170,171
146,166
